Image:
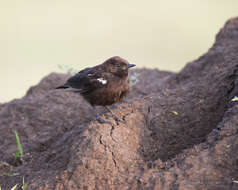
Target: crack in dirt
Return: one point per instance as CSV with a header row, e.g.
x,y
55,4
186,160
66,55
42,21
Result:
x,y
111,133
112,153
114,160
100,141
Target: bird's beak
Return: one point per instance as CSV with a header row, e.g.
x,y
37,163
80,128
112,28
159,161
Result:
x,y
131,65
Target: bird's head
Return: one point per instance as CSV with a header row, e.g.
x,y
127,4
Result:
x,y
117,66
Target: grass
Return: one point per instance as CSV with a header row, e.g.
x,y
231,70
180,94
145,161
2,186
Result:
x,y
134,78
23,187
234,99
18,154
67,69
9,175
15,186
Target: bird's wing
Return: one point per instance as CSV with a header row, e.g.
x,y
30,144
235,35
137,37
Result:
x,y
88,80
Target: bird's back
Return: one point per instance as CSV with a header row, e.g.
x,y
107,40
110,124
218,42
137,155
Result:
x,y
103,84
97,86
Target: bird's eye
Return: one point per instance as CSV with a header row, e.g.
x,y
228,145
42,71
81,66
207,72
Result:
x,y
117,64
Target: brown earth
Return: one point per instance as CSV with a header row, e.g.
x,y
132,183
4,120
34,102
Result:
x,y
180,131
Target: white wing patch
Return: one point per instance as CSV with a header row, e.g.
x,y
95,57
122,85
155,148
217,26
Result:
x,y
102,80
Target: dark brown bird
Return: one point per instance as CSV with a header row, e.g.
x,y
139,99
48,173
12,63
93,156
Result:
x,y
102,85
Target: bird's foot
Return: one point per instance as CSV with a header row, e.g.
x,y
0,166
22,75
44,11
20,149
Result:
x,y
118,119
101,120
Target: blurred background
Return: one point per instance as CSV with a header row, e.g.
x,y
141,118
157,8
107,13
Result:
x,y
36,36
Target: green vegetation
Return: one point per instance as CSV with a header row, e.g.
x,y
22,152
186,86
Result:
x,y
9,175
23,187
174,112
234,99
134,78
67,69
18,154
15,186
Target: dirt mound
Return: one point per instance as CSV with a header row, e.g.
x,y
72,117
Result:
x,y
180,131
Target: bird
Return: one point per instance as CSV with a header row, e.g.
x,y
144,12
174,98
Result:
x,y
102,85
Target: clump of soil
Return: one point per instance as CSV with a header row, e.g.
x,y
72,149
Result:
x,y
180,131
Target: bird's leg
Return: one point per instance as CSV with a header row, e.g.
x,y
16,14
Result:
x,y
99,118
114,115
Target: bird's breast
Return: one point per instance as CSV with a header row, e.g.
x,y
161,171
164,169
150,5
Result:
x,y
109,94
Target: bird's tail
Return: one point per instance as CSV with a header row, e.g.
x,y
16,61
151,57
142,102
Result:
x,y
62,87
